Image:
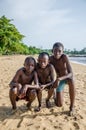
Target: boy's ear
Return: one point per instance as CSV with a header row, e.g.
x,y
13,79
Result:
x,y
52,50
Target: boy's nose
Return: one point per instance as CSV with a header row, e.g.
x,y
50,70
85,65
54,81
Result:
x,y
57,53
30,67
42,63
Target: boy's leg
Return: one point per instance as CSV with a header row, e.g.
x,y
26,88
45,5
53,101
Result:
x,y
72,94
60,93
59,98
13,95
30,96
39,97
50,93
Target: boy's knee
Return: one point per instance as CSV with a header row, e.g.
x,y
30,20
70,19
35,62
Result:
x,y
70,83
31,95
13,90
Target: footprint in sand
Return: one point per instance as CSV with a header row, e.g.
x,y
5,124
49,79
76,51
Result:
x,y
44,128
76,125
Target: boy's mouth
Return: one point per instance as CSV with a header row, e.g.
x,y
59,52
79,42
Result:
x,y
42,66
57,57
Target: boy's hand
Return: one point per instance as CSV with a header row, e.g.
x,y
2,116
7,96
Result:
x,y
37,86
55,84
43,87
23,92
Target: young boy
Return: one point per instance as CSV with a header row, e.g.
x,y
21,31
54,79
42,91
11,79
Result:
x,y
46,77
64,75
21,85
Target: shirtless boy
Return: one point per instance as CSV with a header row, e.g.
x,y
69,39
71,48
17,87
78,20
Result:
x,y
46,78
21,85
64,75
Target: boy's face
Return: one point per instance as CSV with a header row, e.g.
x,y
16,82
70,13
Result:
x,y
43,61
29,66
57,51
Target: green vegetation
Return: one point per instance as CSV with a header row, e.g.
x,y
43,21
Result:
x,y
75,52
11,41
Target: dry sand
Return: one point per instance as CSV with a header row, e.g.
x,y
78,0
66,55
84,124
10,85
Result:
x,y
47,119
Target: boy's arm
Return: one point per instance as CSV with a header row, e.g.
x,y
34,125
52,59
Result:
x,y
15,79
31,86
69,70
64,77
36,78
52,76
36,83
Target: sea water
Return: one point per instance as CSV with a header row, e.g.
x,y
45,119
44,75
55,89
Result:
x,y
79,60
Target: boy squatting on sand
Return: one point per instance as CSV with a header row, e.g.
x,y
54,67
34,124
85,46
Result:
x,y
21,85
64,75
46,78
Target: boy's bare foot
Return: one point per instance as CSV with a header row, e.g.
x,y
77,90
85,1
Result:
x,y
37,109
29,105
48,104
14,107
71,112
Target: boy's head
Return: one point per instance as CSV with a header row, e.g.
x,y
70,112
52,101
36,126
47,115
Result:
x,y
29,64
58,50
43,59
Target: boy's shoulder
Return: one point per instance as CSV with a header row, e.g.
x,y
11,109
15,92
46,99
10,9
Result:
x,y
20,70
64,57
50,65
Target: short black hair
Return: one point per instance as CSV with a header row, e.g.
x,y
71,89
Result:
x,y
28,59
43,54
58,44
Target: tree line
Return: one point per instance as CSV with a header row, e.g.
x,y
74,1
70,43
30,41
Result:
x,y
11,41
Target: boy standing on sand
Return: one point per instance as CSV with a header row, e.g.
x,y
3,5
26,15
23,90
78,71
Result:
x,y
21,85
64,75
46,78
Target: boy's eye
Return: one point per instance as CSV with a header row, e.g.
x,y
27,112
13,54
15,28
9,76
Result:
x,y
29,65
32,65
59,50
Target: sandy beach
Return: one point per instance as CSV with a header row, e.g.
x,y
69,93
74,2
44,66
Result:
x,y
53,118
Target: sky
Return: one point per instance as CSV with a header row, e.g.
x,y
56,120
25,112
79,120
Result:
x,y
44,22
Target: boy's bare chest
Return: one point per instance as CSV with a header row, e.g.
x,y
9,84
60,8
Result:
x,y
43,73
26,79
60,66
